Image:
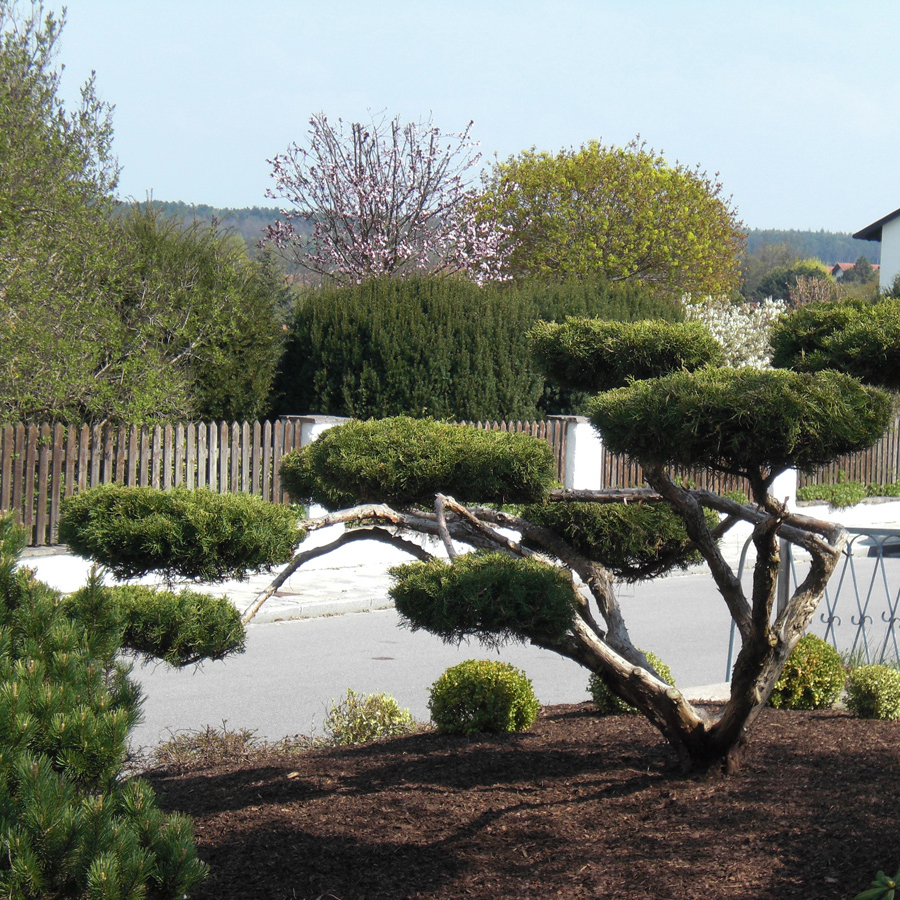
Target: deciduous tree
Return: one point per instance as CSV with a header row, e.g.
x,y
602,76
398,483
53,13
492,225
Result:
x,y
383,197
620,212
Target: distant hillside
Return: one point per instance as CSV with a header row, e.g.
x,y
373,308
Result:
x,y
828,246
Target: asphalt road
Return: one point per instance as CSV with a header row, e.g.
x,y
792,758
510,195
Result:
x,y
283,684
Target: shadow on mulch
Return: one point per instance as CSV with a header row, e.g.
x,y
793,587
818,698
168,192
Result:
x,y
580,806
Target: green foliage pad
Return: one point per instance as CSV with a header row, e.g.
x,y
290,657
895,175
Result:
x,y
636,541
595,355
403,462
482,695
197,534
492,596
180,628
742,420
853,337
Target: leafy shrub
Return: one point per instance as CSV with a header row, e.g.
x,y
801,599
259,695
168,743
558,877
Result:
x,y
610,704
812,677
415,346
404,461
845,493
359,718
71,826
873,692
179,628
180,533
851,336
883,887
493,596
482,695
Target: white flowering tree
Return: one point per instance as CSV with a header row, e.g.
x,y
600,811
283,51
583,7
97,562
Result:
x,y
382,198
742,329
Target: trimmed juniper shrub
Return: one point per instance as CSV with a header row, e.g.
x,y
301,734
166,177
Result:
x,y
752,419
482,695
812,677
70,826
404,461
196,535
359,718
492,596
596,355
873,692
636,541
609,704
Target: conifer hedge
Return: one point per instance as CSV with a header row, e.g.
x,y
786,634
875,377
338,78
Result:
x,y
440,348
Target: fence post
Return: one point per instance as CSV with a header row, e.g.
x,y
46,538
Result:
x,y
584,454
310,428
784,488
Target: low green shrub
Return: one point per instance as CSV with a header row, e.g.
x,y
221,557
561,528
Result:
x,y
482,695
847,493
812,677
404,461
196,534
610,704
359,718
179,628
873,692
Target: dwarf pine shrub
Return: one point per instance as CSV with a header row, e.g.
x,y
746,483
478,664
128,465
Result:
x,y
609,704
193,534
873,692
482,695
812,677
70,826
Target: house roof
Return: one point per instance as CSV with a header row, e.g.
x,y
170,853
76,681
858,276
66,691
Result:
x,y
873,232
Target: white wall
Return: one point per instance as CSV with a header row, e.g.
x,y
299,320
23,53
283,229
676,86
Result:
x,y
890,253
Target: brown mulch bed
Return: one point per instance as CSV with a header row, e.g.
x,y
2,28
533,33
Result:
x,y
578,807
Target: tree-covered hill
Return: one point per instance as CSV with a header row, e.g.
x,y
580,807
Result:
x,y
828,246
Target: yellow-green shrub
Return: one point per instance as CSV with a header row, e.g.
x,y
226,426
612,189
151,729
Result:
x,y
482,695
812,677
873,692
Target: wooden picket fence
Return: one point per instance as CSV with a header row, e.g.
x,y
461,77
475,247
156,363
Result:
x,y
41,465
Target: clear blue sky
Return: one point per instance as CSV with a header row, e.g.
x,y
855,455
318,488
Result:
x,y
796,103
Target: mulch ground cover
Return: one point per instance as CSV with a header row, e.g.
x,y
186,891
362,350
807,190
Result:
x,y
579,806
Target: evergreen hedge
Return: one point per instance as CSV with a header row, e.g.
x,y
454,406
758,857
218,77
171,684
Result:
x,y
442,348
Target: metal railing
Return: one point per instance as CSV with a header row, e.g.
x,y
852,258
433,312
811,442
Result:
x,y
868,583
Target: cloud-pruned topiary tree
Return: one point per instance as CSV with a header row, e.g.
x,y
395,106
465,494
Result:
x,y
740,421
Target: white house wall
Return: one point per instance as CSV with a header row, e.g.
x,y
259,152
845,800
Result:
x,y
890,253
